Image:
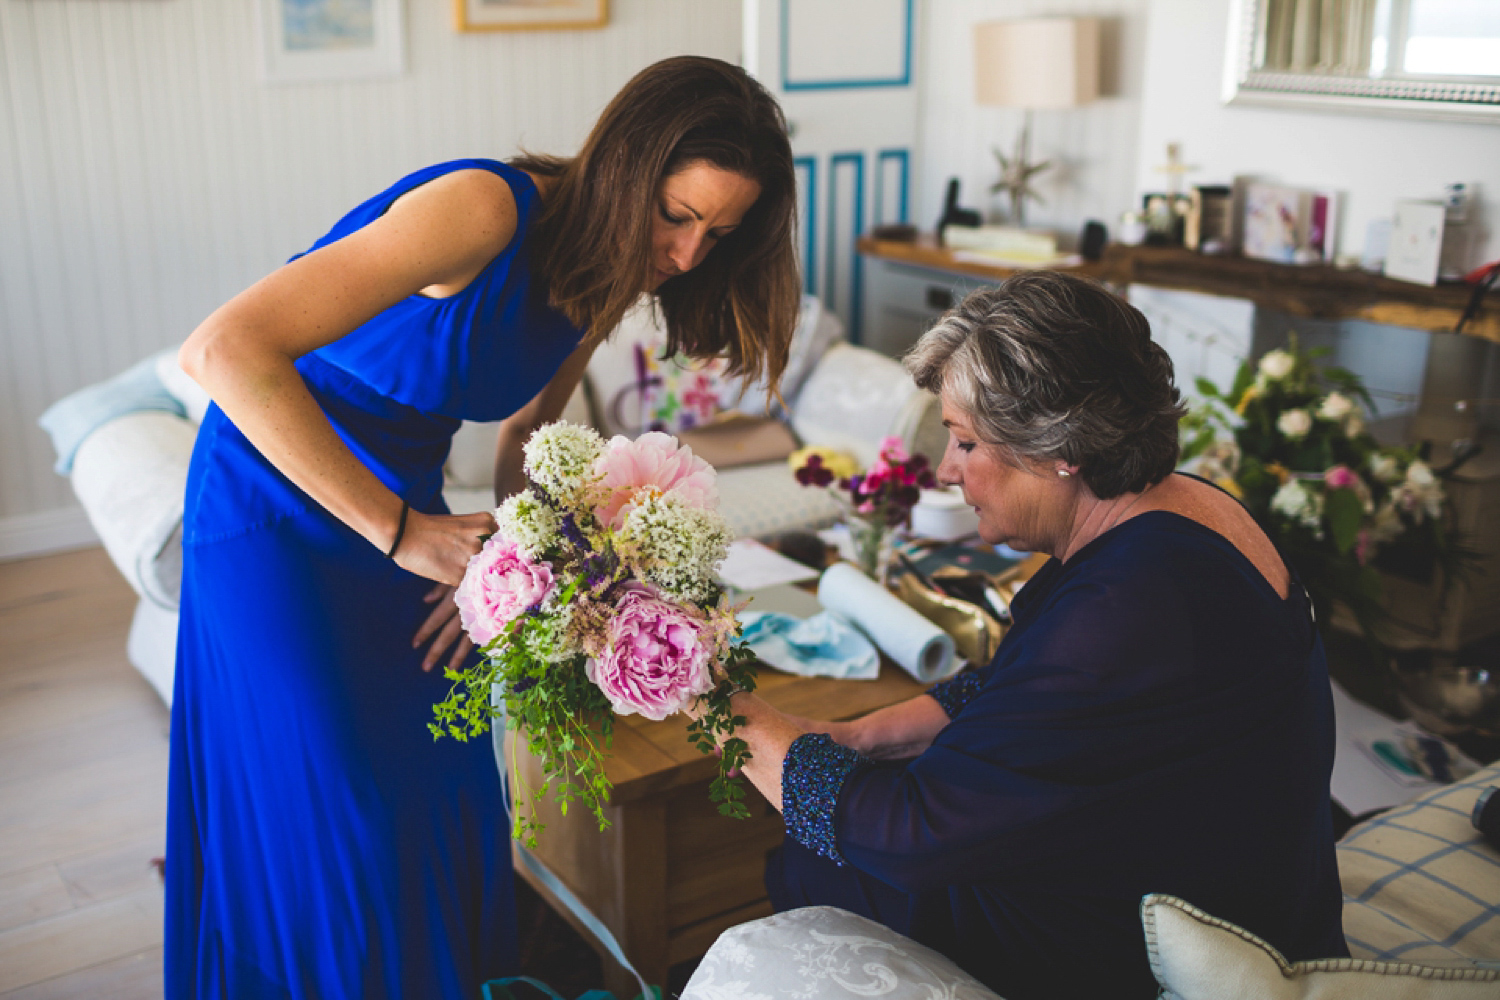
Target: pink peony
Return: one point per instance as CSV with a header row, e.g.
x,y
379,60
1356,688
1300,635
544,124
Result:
x,y
893,449
655,662
499,585
654,463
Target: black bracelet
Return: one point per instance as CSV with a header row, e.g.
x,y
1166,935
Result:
x,y
400,530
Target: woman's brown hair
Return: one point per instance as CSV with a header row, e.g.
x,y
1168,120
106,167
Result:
x,y
592,240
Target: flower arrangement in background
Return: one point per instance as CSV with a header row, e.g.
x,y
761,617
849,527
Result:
x,y
598,596
876,501
1290,440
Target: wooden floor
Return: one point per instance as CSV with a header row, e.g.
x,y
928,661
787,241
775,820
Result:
x,y
83,787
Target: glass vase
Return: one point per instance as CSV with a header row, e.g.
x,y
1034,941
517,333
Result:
x,y
873,547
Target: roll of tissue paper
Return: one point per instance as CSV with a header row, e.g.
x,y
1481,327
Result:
x,y
923,650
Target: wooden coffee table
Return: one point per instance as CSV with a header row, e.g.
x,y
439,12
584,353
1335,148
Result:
x,y
670,874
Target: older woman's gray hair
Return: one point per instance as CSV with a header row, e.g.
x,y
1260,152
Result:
x,y
1053,367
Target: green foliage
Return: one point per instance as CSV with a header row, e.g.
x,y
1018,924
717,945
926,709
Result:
x,y
713,731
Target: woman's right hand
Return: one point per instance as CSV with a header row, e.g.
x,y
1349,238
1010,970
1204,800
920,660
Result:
x,y
440,547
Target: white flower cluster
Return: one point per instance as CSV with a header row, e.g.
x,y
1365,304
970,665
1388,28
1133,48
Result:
x,y
1301,504
1419,493
560,458
675,546
1339,409
528,522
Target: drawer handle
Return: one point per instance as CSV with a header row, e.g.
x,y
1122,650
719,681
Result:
x,y
939,298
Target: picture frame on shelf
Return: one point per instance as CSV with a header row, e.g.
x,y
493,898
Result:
x,y
529,15
313,40
1288,225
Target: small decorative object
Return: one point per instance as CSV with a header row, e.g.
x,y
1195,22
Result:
x,y
598,596
305,40
1207,229
1416,242
1289,439
529,15
1165,216
876,502
1175,169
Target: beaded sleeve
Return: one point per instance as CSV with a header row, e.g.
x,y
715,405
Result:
x,y
954,694
811,777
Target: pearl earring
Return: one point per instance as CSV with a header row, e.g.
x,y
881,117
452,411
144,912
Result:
x,y
1064,473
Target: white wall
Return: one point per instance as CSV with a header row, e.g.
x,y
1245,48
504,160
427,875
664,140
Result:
x,y
1093,148
1374,161
146,175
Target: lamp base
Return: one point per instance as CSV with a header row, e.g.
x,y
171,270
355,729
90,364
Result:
x,y
1016,172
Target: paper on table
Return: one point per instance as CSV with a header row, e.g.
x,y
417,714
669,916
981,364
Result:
x,y
751,565
1360,782
920,647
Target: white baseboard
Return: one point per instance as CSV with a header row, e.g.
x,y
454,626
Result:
x,y
25,535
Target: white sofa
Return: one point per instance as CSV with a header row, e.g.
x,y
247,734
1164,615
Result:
x,y
130,471
1421,915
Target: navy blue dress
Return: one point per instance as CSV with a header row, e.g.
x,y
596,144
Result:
x,y
319,842
1157,720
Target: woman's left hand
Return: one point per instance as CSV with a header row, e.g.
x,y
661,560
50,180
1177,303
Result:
x,y
444,628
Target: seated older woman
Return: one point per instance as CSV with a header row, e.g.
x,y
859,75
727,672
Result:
x,y
1158,719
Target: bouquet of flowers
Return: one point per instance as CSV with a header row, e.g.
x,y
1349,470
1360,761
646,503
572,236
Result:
x,y
876,501
597,596
1289,439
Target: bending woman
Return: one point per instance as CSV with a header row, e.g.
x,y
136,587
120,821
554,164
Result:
x,y
320,844
1158,719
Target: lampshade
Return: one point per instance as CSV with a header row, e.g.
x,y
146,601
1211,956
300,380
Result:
x,y
1037,63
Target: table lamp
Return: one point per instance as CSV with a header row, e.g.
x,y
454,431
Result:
x,y
1039,63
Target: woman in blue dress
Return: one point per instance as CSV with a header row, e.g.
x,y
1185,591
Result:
x,y
320,843
1157,720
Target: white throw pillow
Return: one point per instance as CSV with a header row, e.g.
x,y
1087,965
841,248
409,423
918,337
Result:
x,y
1198,957
827,953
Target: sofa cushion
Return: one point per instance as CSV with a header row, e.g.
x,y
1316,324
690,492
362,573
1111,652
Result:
x,y
855,397
1420,883
759,501
1198,957
130,475
828,953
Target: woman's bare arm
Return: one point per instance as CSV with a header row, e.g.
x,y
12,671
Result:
x,y
435,239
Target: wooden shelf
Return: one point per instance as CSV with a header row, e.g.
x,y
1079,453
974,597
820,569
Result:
x,y
1314,291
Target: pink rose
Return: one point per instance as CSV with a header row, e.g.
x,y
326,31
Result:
x,y
499,585
655,662
1341,477
654,463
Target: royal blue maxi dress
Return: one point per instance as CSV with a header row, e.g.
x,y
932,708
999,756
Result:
x,y
1157,720
320,844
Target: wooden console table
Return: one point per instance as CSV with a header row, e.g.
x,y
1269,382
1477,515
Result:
x,y
1313,291
670,874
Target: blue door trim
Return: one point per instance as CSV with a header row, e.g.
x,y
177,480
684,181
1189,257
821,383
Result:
x,y
787,83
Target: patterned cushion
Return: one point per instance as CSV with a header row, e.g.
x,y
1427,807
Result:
x,y
827,953
1198,957
1420,884
759,501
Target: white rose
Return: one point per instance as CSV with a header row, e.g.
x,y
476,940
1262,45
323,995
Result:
x,y
1336,406
1355,425
1418,474
1277,364
1294,424
1385,467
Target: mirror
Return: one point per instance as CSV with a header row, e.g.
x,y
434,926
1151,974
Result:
x,y
1421,58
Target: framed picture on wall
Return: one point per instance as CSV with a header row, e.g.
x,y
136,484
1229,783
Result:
x,y
330,39
529,15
